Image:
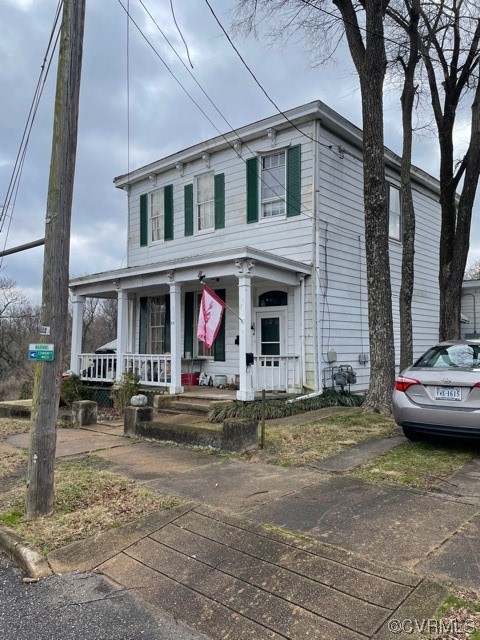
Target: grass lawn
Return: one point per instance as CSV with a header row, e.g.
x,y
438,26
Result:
x,y
417,464
302,444
88,497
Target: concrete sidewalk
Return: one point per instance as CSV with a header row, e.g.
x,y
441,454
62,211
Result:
x,y
373,554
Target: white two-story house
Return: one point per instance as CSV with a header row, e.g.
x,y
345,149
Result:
x,y
271,217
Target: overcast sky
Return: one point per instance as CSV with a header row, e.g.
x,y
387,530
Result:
x,y
162,117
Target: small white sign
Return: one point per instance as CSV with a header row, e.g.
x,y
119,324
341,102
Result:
x,y
44,331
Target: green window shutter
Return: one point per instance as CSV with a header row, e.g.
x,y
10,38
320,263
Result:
x,y
294,162
220,201
143,328
252,189
219,344
188,205
168,341
144,220
188,325
168,208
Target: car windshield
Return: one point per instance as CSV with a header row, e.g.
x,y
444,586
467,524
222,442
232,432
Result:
x,y
466,356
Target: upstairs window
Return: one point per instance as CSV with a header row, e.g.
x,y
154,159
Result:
x,y
205,201
157,215
394,212
272,180
274,185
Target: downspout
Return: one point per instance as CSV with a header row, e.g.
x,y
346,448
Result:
x,y
316,244
315,285
302,324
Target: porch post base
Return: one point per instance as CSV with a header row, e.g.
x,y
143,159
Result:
x,y
245,395
173,390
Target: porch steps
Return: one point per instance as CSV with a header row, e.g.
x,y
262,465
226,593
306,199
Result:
x,y
190,403
179,406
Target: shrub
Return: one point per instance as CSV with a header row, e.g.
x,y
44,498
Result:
x,y
282,408
72,389
124,389
26,390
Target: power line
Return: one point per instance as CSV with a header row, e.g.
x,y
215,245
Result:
x,y
257,81
306,211
14,183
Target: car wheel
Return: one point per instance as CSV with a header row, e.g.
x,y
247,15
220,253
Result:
x,y
411,434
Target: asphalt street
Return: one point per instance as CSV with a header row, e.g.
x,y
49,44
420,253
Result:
x,y
77,606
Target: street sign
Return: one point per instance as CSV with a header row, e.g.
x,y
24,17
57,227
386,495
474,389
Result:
x,y
44,331
44,352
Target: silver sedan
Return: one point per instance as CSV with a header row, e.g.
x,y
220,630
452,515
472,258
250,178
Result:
x,y
439,394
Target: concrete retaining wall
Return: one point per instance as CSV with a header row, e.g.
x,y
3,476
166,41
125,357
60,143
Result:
x,y
237,434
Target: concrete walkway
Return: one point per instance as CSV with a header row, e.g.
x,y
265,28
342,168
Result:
x,y
373,554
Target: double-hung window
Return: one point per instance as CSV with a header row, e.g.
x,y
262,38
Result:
x,y
205,190
204,203
157,214
194,348
394,212
157,324
200,349
273,184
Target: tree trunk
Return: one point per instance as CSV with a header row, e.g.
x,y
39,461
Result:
x,y
370,61
382,355
452,273
408,211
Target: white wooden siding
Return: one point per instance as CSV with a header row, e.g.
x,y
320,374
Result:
x,y
336,294
287,237
343,305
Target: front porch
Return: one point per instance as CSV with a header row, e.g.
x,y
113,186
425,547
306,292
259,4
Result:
x,y
261,344
269,373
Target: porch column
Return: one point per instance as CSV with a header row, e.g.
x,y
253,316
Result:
x,y
77,333
244,276
175,337
122,329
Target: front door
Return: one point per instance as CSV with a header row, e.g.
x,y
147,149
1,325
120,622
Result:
x,y
270,370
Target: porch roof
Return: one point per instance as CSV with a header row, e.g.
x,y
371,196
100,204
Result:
x,y
263,264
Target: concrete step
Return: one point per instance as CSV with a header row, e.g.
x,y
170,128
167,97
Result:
x,y
180,406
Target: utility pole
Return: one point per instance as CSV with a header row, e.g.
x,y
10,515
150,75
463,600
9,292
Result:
x,y
54,311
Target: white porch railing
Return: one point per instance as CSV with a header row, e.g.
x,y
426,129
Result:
x,y
272,373
94,367
152,370
276,373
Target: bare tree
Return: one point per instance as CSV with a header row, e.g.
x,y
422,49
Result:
x,y
363,26
19,321
450,37
472,272
90,313
406,14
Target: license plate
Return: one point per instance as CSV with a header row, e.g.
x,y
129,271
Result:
x,y
448,393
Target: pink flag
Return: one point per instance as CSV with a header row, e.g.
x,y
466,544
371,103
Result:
x,y
210,317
